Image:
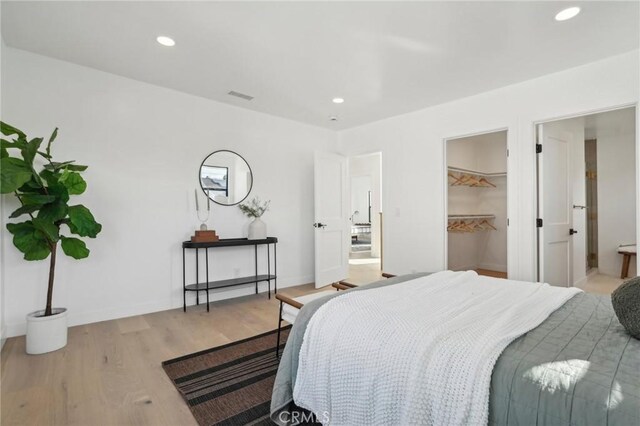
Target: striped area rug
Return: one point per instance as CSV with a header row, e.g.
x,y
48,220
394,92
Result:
x,y
230,384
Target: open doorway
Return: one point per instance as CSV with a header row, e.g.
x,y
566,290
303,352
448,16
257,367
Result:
x,y
477,203
365,254
587,200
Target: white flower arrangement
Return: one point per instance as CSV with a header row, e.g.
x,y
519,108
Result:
x,y
254,208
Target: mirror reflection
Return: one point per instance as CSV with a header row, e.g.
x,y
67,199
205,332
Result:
x,y
226,177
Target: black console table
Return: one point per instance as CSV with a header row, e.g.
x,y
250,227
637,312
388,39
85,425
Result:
x,y
230,242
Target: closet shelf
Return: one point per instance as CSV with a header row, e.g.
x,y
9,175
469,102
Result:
x,y
470,222
470,216
475,172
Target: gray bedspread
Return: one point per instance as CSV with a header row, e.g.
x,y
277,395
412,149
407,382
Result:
x,y
579,367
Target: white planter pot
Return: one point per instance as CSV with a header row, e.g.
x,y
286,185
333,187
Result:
x,y
46,334
257,229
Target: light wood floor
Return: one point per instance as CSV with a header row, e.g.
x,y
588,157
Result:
x,y
110,373
601,284
489,273
363,273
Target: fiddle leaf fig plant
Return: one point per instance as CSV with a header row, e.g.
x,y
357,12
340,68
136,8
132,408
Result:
x,y
44,188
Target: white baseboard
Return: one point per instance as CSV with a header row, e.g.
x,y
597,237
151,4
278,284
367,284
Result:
x,y
488,266
493,267
463,268
19,329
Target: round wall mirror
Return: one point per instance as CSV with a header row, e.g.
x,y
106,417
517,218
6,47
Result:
x,y
226,177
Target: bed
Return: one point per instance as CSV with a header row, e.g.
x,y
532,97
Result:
x,y
577,367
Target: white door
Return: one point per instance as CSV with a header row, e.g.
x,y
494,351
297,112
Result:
x,y
332,229
555,206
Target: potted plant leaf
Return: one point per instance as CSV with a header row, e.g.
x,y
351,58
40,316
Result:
x,y
44,189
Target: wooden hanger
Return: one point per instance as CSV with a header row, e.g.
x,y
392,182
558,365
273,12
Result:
x,y
457,226
477,226
466,227
468,179
456,179
485,222
486,183
472,181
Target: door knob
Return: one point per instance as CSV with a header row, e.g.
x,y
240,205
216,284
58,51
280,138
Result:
x,y
319,225
572,231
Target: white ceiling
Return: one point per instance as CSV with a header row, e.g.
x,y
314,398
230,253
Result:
x,y
384,58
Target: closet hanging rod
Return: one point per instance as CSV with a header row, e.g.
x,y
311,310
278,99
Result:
x,y
475,172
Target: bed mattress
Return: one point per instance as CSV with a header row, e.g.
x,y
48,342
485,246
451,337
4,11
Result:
x,y
578,367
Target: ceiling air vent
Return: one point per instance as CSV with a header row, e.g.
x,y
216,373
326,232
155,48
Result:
x,y
240,95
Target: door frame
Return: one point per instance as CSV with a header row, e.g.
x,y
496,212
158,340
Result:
x,y
382,197
534,133
445,202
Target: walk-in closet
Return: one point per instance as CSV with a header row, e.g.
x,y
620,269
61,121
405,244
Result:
x,y
477,203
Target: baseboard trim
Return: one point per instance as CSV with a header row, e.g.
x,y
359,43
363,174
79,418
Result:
x,y
3,336
463,268
493,267
83,318
19,329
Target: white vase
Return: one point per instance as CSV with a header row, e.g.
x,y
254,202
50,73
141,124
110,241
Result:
x,y
257,229
46,334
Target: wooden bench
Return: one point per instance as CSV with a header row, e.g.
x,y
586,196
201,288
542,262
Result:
x,y
627,252
290,307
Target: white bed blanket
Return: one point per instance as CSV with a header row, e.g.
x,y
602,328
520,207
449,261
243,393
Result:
x,y
420,352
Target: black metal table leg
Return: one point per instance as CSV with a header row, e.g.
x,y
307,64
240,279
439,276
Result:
x,y
256,257
206,253
184,284
209,282
268,272
197,280
279,328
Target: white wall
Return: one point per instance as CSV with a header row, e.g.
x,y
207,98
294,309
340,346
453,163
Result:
x,y
122,128
3,331
360,188
413,158
617,218
484,152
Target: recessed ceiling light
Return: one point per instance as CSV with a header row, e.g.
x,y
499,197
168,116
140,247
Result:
x,y
333,118
166,41
567,14
338,100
